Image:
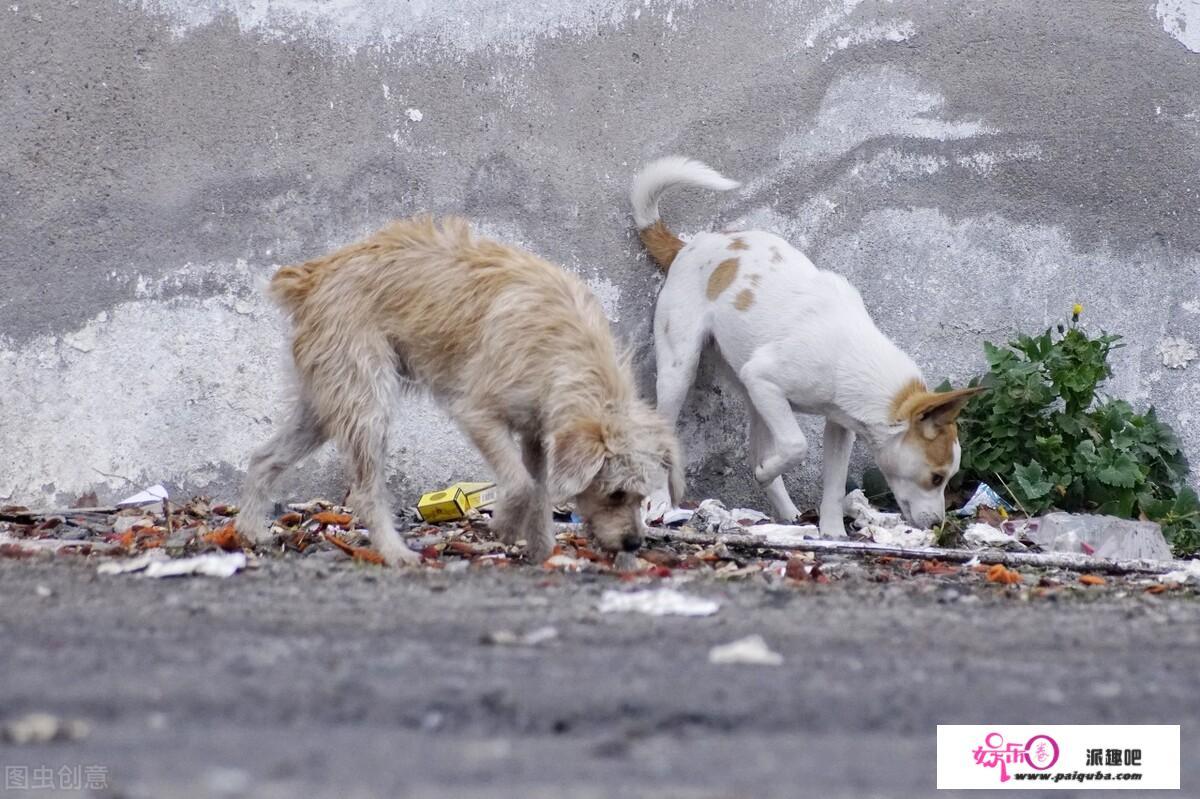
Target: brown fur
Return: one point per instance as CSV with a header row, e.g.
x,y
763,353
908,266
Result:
x,y
721,278
514,348
744,300
661,243
932,419
739,244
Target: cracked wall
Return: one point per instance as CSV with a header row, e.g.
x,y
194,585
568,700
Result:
x,y
974,168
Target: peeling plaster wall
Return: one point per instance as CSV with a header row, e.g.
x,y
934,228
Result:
x,y
974,168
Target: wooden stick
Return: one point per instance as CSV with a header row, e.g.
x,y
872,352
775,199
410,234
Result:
x,y
1046,560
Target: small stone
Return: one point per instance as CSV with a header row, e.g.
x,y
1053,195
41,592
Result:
x,y
43,591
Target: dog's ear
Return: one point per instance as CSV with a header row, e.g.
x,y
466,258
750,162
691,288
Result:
x,y
577,453
934,411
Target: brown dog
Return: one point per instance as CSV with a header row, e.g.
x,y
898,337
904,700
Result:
x,y
516,350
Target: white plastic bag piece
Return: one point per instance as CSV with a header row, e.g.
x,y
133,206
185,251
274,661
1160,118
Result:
x,y
750,651
155,493
656,602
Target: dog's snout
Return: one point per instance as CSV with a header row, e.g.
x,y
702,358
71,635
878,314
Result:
x,y
631,542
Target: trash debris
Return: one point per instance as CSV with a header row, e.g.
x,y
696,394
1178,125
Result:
x,y
882,527
364,554
1102,536
40,728
901,535
676,516
1091,579
535,637
456,502
1190,573
984,497
153,494
751,651
713,517
157,563
784,534
657,602
979,534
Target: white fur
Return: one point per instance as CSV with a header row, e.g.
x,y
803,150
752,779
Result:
x,y
805,344
658,177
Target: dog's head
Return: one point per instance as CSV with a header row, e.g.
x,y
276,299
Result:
x,y
921,453
609,464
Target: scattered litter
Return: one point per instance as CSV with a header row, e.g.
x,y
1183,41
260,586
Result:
x,y
155,493
984,497
901,535
882,527
1091,579
129,565
1190,573
1102,536
456,502
784,534
676,516
364,554
534,637
751,651
979,535
859,508
657,602
747,516
156,563
713,517
40,728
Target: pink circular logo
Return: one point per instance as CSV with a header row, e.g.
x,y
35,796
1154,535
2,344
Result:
x,y
1041,752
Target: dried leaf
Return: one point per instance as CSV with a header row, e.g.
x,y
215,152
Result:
x,y
1157,588
999,573
1091,579
290,519
226,538
364,554
938,567
795,569
330,517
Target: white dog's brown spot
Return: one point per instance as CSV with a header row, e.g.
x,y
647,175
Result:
x,y
739,244
744,300
722,277
662,244
776,255
932,419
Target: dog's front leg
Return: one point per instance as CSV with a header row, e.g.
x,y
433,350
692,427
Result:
x,y
523,511
838,443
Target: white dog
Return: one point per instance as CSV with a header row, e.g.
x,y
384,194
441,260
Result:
x,y
796,339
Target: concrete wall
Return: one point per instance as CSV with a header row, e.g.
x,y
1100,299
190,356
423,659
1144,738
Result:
x,y
975,168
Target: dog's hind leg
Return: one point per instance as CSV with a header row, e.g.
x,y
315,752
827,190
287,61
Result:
x,y
354,396
761,447
298,436
836,453
678,343
771,402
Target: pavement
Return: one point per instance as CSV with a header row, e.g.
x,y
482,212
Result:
x,y
321,676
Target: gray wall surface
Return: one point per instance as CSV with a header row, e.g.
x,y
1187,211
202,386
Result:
x,y
974,167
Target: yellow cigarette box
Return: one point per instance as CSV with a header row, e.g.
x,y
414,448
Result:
x,y
446,505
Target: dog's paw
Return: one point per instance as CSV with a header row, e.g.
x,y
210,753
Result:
x,y
539,546
399,555
834,529
256,532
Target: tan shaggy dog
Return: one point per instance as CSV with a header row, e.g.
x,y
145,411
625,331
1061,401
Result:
x,y
517,351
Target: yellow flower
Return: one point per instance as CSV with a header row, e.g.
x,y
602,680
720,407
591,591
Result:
x,y
1077,310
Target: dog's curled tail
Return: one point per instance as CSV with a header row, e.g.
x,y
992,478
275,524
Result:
x,y
291,284
655,179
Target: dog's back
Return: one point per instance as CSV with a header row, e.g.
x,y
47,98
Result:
x,y
450,306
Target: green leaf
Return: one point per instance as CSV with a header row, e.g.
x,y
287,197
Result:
x,y
1121,471
1032,481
